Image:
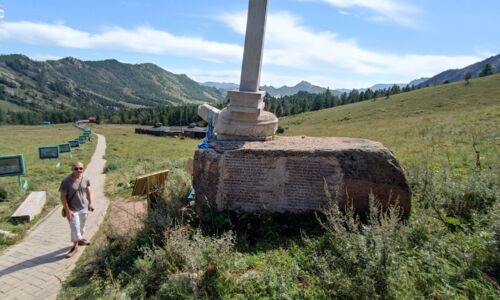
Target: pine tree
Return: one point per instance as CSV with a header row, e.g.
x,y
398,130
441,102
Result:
x,y
487,70
468,76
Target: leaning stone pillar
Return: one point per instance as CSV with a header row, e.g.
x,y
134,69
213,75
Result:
x,y
245,118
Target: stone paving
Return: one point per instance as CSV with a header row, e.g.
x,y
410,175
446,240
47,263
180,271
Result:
x,y
35,267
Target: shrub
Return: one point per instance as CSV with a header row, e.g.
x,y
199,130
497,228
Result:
x,y
110,166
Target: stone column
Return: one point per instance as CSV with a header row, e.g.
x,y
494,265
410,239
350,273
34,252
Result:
x,y
245,118
254,44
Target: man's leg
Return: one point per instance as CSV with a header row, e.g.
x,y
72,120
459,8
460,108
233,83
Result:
x,y
82,216
83,222
74,225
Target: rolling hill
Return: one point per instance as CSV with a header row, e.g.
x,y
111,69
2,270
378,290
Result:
x,y
416,123
70,82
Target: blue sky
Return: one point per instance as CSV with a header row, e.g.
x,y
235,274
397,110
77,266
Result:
x,y
334,43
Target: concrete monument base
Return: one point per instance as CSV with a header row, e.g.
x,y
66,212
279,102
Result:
x,y
293,174
234,126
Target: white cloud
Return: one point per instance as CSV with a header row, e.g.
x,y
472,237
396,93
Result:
x,y
293,45
44,57
2,14
232,76
392,10
140,39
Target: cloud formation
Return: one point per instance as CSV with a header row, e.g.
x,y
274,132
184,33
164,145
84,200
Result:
x,y
291,44
141,39
2,14
392,10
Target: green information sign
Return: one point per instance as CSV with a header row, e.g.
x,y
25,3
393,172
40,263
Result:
x,y
48,152
74,143
12,165
64,148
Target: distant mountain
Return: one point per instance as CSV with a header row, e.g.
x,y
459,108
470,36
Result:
x,y
416,82
338,92
381,86
303,86
459,74
72,83
224,86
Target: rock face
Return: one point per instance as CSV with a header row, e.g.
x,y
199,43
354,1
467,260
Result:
x,y
298,174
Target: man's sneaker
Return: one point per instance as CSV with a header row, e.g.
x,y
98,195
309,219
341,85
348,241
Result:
x,y
72,252
83,242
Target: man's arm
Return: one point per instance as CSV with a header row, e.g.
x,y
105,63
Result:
x,y
89,198
69,213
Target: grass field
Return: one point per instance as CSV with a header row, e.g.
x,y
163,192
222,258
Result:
x,y
42,175
447,139
129,155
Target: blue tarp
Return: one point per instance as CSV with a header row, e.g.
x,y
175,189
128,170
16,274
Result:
x,y
204,143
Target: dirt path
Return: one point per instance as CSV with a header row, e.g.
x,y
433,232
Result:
x,y
36,267
126,215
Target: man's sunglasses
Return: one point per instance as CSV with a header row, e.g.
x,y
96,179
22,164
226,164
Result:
x,y
77,169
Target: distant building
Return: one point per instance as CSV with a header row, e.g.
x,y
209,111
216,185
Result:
x,y
92,119
191,131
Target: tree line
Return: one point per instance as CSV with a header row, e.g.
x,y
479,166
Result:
x,y
304,102
185,114
168,115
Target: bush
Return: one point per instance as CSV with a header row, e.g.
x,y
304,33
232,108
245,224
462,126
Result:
x,y
110,166
452,196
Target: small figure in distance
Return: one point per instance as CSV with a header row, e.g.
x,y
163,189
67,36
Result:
x,y
75,194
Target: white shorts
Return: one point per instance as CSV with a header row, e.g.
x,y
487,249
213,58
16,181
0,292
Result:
x,y
77,224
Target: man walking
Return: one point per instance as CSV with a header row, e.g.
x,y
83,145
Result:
x,y
75,193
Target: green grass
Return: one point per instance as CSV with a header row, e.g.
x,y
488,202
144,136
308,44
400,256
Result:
x,y
130,155
448,249
42,175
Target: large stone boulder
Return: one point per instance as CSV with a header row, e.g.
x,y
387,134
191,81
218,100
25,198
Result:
x,y
298,174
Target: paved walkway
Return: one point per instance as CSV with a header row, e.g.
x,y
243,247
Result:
x,y
36,267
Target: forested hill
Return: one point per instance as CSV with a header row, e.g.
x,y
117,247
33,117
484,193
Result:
x,y
72,83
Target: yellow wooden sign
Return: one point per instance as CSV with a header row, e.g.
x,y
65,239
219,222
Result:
x,y
149,183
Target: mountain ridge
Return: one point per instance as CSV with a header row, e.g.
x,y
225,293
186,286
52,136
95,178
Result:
x,y
453,75
305,86
284,90
73,83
